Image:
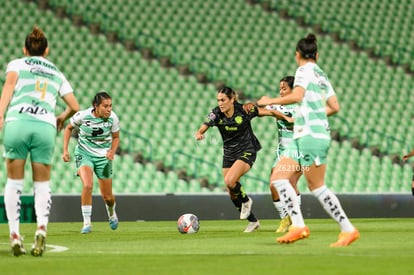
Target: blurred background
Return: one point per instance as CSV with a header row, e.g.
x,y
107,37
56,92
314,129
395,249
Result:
x,y
162,61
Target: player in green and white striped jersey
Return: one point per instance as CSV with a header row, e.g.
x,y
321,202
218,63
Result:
x,y
29,95
309,148
98,140
285,130
285,137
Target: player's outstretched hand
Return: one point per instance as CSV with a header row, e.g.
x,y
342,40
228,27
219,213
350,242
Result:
x,y
199,136
248,107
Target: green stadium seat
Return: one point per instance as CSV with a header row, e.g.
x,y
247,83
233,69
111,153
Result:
x,y
248,53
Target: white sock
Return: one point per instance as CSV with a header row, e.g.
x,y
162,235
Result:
x,y
87,214
43,202
12,202
333,207
281,209
290,199
111,210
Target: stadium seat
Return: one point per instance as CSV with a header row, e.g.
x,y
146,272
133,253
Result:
x,y
245,48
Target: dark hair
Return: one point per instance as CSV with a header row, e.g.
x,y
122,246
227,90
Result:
x,y
97,99
229,92
307,46
289,80
36,42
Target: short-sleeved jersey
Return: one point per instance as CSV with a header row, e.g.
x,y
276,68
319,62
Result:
x,y
38,86
236,131
285,128
95,133
310,114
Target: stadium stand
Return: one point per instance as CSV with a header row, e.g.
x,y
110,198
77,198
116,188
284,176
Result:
x,y
228,42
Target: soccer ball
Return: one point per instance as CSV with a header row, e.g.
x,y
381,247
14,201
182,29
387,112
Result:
x,y
188,224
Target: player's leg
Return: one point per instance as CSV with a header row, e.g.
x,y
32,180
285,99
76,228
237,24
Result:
x,y
412,186
14,140
85,172
314,173
284,170
12,193
280,205
43,204
103,170
331,204
41,153
237,194
232,180
110,203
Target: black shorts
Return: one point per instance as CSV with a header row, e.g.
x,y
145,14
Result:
x,y
247,157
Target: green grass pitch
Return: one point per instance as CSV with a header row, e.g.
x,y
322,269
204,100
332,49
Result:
x,y
386,246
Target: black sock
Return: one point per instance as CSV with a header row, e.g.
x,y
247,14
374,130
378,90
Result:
x,y
251,217
237,202
238,190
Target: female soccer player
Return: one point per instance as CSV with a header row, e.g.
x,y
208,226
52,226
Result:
x,y
285,130
285,136
29,95
308,150
240,146
98,141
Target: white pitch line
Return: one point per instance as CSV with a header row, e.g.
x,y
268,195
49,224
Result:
x,y
53,248
56,248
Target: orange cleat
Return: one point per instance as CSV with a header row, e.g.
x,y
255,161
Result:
x,y
346,238
294,234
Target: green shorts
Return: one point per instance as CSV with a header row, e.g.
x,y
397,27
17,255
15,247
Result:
x,y
308,150
279,153
101,166
22,137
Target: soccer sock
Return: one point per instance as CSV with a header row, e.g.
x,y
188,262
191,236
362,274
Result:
x,y
111,210
281,209
43,202
333,207
237,202
238,190
12,192
299,199
252,217
290,199
86,213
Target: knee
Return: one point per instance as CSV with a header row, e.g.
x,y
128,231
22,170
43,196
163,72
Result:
x,y
230,182
87,187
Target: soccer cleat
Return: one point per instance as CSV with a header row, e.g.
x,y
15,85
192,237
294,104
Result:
x,y
39,245
16,243
294,234
246,209
284,225
86,229
113,222
346,238
252,226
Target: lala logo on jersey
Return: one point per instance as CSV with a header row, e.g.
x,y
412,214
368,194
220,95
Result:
x,y
238,119
33,109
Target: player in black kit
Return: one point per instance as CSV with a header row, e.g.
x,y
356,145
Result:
x,y
240,146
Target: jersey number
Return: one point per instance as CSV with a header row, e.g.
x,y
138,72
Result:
x,y
97,131
41,86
